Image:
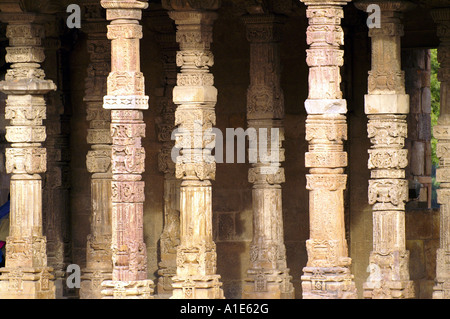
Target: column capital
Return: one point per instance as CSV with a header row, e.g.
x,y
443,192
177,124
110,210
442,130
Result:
x,y
386,6
191,5
124,4
264,27
325,3
441,17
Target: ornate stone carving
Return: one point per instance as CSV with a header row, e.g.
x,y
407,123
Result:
x,y
267,275
327,272
98,159
170,236
441,290
26,274
387,130
196,254
55,208
125,98
191,4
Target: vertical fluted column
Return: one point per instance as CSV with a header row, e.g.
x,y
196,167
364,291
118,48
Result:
x,y
268,275
126,99
386,106
327,272
442,133
26,274
98,160
195,97
170,236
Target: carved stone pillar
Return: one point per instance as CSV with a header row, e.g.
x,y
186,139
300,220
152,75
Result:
x,y
268,275
327,272
442,134
98,160
386,105
164,28
56,186
195,97
26,274
126,99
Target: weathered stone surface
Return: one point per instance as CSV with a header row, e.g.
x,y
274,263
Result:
x,y
98,159
26,274
165,122
441,290
267,275
327,273
195,115
385,104
125,97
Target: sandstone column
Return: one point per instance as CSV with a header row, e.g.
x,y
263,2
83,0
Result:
x,y
268,275
195,97
126,99
98,160
26,274
442,134
327,272
170,237
386,105
55,203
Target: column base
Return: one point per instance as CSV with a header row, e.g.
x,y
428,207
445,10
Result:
x,y
136,289
328,283
164,286
441,290
91,283
27,283
268,284
388,290
204,287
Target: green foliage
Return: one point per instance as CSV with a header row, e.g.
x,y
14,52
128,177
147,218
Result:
x,y
435,101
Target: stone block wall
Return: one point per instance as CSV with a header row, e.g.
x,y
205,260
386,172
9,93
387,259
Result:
x,y
422,241
416,63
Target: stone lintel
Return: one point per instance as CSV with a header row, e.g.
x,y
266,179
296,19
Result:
x,y
22,17
386,6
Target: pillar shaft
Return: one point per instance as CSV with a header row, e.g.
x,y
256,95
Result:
x,y
98,159
442,133
26,274
55,208
267,275
170,236
386,106
327,272
126,100
195,97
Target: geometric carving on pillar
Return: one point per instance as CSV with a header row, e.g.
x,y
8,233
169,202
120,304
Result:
x,y
125,99
327,273
98,159
56,180
441,132
195,97
267,276
165,35
386,105
26,274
